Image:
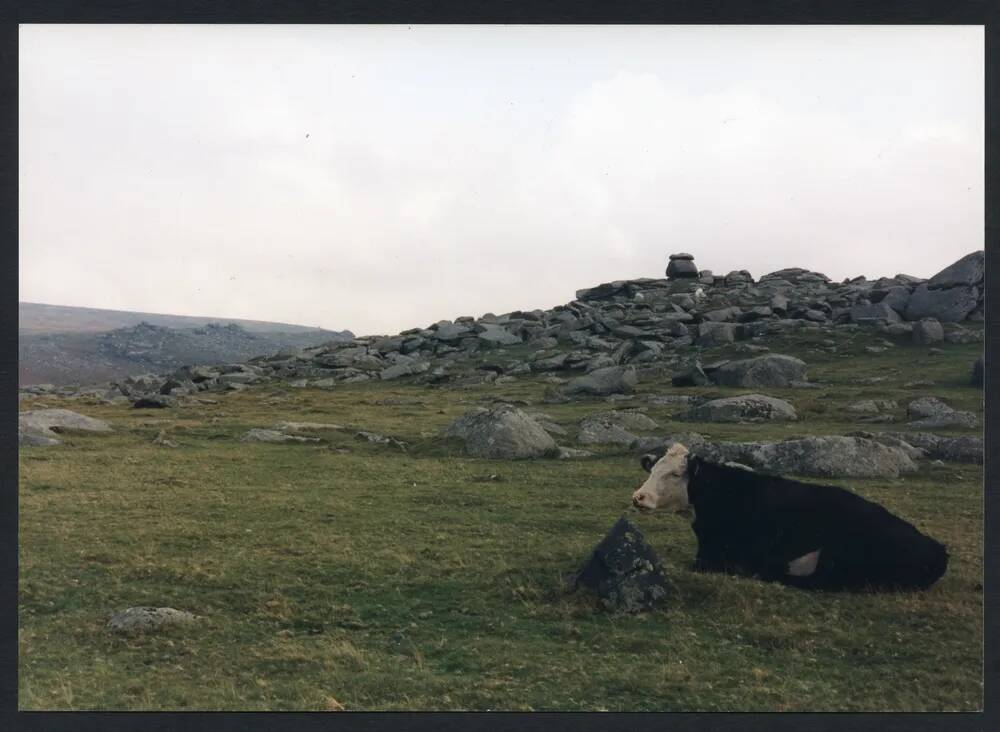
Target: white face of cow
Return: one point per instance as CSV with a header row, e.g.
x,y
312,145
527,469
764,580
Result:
x,y
666,487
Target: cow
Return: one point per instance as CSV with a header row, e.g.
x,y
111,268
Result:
x,y
801,534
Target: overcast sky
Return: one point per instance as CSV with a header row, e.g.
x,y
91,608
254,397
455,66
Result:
x,y
384,177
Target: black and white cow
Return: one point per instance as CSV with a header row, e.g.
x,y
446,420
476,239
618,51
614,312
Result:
x,y
801,534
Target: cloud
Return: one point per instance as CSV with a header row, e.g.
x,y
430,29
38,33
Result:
x,y
379,182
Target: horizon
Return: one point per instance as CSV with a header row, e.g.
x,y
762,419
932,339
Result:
x,y
476,315
378,178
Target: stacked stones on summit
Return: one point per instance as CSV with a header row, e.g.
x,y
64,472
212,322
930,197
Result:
x,y
681,266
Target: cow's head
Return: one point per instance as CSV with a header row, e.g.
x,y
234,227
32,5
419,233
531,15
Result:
x,y
666,486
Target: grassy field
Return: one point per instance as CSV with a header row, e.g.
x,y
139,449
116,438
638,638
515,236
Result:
x,y
357,576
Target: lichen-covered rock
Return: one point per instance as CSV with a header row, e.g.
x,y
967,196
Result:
x,y
259,435
969,270
48,422
965,449
603,382
746,408
602,431
28,437
831,456
927,331
690,375
948,306
771,370
624,571
931,412
148,619
504,432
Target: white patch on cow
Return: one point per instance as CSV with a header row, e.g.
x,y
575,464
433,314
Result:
x,y
666,486
805,565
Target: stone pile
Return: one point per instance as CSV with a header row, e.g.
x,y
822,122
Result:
x,y
605,338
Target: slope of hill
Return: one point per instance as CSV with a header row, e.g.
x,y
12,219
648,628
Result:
x,y
40,318
64,345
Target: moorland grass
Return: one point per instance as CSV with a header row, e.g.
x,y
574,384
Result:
x,y
358,576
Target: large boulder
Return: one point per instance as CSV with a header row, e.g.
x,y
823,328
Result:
x,y
831,456
746,408
689,375
48,422
950,305
927,331
968,270
497,334
965,449
602,431
504,432
771,370
603,382
624,571
879,312
931,412
715,334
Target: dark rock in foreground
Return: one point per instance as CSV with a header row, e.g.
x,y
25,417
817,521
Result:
x,y
624,571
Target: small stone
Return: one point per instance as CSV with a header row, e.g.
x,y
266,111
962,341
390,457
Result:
x,y
147,619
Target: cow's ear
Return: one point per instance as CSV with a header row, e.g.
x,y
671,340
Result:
x,y
647,462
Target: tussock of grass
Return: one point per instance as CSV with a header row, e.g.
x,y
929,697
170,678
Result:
x,y
357,576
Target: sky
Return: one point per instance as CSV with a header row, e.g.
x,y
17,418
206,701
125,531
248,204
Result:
x,y
379,178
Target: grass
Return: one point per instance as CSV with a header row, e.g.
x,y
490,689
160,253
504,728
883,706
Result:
x,y
357,576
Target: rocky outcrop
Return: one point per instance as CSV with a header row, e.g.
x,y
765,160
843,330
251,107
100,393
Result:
x,y
149,619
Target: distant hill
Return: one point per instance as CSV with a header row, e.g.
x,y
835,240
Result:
x,y
39,318
66,345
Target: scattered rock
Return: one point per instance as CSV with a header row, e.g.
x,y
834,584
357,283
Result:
x,y
376,438
306,426
49,422
681,266
624,571
503,432
597,431
149,619
825,457
771,370
690,375
948,306
927,331
259,435
154,401
602,382
569,453
746,408
965,449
